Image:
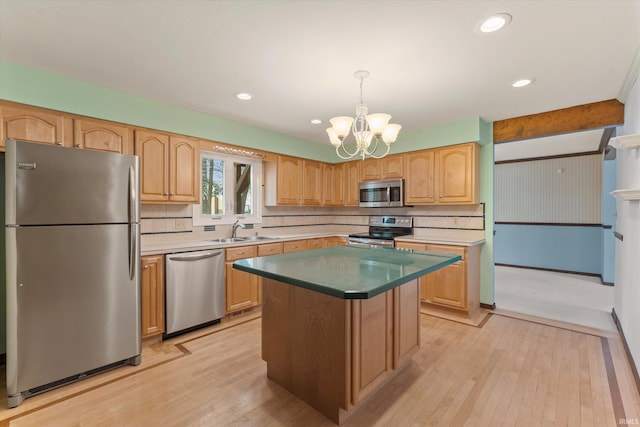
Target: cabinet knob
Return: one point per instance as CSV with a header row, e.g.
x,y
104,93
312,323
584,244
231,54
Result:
x,y
146,266
165,194
78,146
58,142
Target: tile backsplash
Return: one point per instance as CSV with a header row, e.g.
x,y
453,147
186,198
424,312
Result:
x,y
174,222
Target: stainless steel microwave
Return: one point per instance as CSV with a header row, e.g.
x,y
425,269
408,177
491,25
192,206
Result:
x,y
381,194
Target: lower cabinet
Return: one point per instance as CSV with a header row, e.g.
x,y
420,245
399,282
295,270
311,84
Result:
x,y
241,288
152,295
455,287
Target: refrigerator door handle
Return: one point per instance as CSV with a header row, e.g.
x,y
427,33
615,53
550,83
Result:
x,y
133,238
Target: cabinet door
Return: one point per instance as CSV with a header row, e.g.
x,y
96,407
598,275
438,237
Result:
x,y
289,181
392,167
242,289
102,136
183,170
153,149
370,169
447,286
351,181
333,189
419,178
456,174
35,125
316,243
312,183
152,295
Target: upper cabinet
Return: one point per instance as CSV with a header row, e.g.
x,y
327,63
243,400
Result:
x,y
419,186
168,168
448,175
385,168
102,136
35,125
458,174
292,181
351,181
333,189
312,183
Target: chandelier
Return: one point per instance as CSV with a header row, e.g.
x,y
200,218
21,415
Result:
x,y
366,129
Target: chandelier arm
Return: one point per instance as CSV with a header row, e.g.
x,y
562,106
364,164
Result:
x,y
375,147
385,153
341,156
346,152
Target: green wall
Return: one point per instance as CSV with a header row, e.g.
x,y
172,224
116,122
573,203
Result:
x,y
35,87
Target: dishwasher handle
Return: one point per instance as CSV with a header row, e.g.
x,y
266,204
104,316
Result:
x,y
196,257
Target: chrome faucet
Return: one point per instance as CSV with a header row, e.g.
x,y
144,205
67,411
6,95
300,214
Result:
x,y
234,228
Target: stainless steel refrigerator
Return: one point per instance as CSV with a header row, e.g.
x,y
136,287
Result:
x,y
72,264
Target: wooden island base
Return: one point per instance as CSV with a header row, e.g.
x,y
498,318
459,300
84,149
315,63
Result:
x,y
332,353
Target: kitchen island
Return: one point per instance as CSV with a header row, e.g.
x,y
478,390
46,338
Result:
x,y
339,322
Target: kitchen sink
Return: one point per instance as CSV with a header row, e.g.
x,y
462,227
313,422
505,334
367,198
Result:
x,y
259,238
229,240
241,239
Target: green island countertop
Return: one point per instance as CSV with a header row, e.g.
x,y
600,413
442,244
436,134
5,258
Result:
x,y
347,272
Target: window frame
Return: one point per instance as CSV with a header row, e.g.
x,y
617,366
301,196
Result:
x,y
229,217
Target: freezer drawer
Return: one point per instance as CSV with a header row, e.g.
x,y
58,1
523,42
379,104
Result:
x,y
195,289
72,305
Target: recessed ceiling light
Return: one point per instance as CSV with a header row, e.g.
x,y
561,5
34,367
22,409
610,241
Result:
x,y
243,96
495,22
315,121
522,82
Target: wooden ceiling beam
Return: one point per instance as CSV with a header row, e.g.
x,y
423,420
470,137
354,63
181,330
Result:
x,y
596,115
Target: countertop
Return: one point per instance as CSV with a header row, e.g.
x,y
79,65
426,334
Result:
x,y
347,272
199,245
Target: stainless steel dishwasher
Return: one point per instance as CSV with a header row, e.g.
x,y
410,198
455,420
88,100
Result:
x,y
194,289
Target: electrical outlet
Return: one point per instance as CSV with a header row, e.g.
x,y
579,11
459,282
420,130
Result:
x,y
183,224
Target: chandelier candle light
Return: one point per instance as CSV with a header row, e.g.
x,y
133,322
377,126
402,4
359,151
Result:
x,y
366,128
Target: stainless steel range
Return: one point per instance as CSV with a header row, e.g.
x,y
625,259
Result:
x,y
382,231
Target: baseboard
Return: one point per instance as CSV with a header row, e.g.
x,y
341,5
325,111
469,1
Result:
x,y
488,306
634,369
581,273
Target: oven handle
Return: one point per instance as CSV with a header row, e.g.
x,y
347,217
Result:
x,y
371,242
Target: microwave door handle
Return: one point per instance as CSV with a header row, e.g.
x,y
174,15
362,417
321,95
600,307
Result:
x,y
389,195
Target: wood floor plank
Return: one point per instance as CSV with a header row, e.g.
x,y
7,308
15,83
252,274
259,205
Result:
x,y
510,372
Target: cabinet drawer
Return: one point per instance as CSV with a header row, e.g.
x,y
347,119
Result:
x,y
270,249
241,252
297,245
458,250
315,243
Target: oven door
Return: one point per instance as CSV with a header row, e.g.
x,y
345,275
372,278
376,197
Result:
x,y
376,243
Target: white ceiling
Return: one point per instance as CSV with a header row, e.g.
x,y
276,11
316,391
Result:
x,y
428,63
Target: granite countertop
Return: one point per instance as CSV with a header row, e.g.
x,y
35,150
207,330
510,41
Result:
x,y
348,272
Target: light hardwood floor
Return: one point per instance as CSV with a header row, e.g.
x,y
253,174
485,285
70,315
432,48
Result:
x,y
509,372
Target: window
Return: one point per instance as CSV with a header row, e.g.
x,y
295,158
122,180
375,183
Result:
x,y
229,190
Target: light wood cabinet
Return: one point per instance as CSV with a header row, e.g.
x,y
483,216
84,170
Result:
x,y
456,286
294,246
168,168
34,124
92,134
457,170
241,288
316,243
333,188
385,168
292,181
312,183
448,175
335,241
152,295
351,181
419,176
